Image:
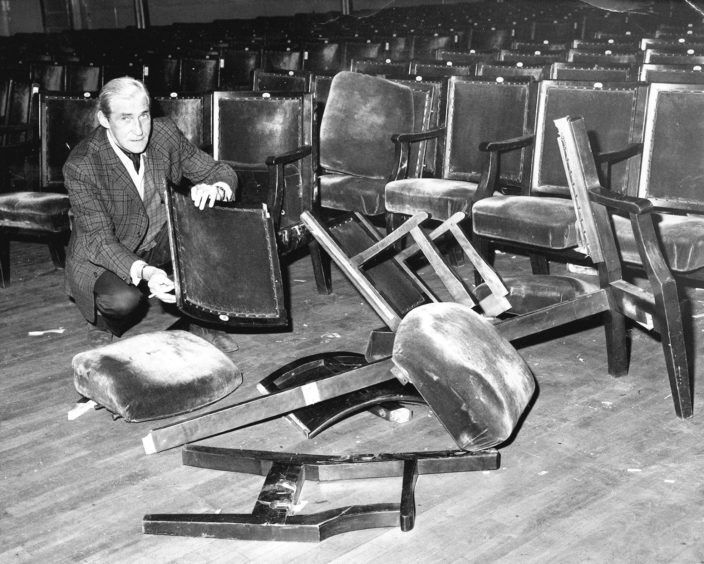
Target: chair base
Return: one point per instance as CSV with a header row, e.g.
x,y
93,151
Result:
x,y
316,418
273,517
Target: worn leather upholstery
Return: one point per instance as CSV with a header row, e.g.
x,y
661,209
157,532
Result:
x,y
39,211
155,375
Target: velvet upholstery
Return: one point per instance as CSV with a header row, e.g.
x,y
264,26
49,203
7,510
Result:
x,y
544,222
681,238
38,211
439,197
486,385
477,110
361,114
155,375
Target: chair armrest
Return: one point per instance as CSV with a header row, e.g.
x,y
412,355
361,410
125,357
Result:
x,y
611,157
434,133
290,157
488,183
620,202
505,145
403,142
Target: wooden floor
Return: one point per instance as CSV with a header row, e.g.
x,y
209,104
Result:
x,y
601,470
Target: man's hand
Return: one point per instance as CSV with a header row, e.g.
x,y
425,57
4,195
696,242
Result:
x,y
160,285
201,194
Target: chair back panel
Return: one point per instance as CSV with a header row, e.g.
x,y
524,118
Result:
x,y
238,66
613,113
323,58
162,75
282,60
83,78
50,77
672,167
282,81
246,288
187,112
361,114
592,73
20,110
484,110
64,121
680,74
427,96
199,75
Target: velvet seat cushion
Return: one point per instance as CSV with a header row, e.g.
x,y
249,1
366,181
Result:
x,y
42,211
439,197
155,375
531,220
681,239
534,291
352,193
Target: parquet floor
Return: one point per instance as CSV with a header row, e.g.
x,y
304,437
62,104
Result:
x,y
601,470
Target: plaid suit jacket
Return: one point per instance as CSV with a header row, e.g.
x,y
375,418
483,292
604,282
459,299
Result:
x,y
110,220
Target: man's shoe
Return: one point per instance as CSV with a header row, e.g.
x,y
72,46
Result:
x,y
98,338
221,339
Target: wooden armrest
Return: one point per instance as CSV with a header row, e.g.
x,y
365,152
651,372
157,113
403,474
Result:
x,y
619,155
507,144
290,157
620,202
419,136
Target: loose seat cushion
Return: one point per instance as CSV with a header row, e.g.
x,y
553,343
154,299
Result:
x,y
534,291
439,197
532,220
681,239
42,211
155,375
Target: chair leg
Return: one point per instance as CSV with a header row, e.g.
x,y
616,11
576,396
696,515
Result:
x,y
57,250
539,264
674,347
617,355
321,268
4,261
486,251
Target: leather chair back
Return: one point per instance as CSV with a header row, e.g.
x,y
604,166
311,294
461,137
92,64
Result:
x,y
189,113
162,75
63,122
282,81
238,66
486,110
199,75
594,73
83,78
673,144
323,58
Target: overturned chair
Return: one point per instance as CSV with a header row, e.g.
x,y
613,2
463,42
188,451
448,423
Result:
x,y
484,390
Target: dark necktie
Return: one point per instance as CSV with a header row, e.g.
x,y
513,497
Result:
x,y
135,158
